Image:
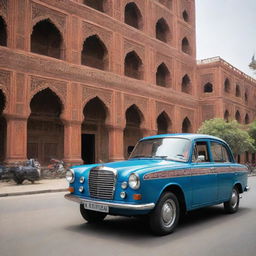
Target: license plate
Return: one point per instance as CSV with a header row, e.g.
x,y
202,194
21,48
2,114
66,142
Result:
x,y
96,207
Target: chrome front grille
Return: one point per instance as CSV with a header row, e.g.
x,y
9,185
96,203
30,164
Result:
x,y
102,181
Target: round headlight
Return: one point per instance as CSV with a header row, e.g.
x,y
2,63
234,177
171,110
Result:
x,y
134,181
124,185
81,180
70,176
123,195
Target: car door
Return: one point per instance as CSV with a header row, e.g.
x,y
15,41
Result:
x,y
223,163
203,175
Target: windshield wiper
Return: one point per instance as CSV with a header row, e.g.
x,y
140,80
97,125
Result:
x,y
141,156
162,157
180,156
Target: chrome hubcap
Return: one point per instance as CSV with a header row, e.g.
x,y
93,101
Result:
x,y
169,213
234,199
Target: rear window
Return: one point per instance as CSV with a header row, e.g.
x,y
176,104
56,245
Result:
x,y
219,153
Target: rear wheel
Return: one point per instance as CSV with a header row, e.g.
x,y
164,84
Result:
x,y
91,216
18,180
165,216
232,205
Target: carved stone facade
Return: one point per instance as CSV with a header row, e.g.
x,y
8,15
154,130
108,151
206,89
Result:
x,y
57,107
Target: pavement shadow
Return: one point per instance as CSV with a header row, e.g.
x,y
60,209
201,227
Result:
x,y
136,231
209,214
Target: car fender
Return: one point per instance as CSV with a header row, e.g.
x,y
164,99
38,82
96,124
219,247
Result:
x,y
177,190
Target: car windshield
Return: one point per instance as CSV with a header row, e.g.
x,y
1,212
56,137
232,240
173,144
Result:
x,y
176,149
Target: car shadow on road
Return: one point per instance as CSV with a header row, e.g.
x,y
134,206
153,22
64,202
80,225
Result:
x,y
207,215
137,231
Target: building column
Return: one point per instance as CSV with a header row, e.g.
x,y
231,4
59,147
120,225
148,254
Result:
x,y
16,141
116,143
72,142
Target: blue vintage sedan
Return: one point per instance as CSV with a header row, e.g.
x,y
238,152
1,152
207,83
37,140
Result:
x,y
165,176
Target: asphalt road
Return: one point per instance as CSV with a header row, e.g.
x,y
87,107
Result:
x,y
48,225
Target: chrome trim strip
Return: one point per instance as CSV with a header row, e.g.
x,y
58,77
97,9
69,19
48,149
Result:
x,y
139,207
102,167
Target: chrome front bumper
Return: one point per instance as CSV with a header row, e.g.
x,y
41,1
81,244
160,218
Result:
x,y
137,207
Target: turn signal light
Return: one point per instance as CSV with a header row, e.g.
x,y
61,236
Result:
x,y
137,196
71,189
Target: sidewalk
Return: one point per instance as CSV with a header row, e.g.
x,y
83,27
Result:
x,y
27,188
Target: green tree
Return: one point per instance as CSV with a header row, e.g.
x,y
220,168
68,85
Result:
x,y
238,139
252,131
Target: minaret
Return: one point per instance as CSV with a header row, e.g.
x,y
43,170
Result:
x,y
252,65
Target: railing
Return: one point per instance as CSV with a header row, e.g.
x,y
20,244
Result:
x,y
219,59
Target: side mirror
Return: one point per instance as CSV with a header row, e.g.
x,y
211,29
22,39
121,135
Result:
x,y
200,158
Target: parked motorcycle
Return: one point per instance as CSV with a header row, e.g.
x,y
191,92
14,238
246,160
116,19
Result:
x,y
3,171
29,170
56,168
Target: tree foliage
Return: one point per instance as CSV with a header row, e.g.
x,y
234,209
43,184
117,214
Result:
x,y
252,131
238,139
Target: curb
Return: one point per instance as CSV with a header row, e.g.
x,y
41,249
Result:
x,y
34,192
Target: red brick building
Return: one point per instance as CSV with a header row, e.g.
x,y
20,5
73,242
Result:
x,y
83,80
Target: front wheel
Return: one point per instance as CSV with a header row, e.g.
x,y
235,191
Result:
x,y
91,216
18,180
232,205
165,216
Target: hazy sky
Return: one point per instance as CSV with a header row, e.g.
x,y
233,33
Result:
x,y
227,28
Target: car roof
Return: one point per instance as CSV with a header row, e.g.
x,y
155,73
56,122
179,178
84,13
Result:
x,y
190,136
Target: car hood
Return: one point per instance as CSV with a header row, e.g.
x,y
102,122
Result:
x,y
140,166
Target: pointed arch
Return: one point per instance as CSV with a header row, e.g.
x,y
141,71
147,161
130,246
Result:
x,y
163,77
45,129
94,53
227,86
134,115
132,132
208,88
3,126
132,16
247,119
46,101
226,116
246,96
186,126
46,86
238,117
186,86
3,32
162,30
185,16
2,101
133,66
185,46
46,39
95,132
101,111
163,123
238,91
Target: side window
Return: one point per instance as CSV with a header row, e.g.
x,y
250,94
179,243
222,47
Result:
x,y
219,153
200,149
